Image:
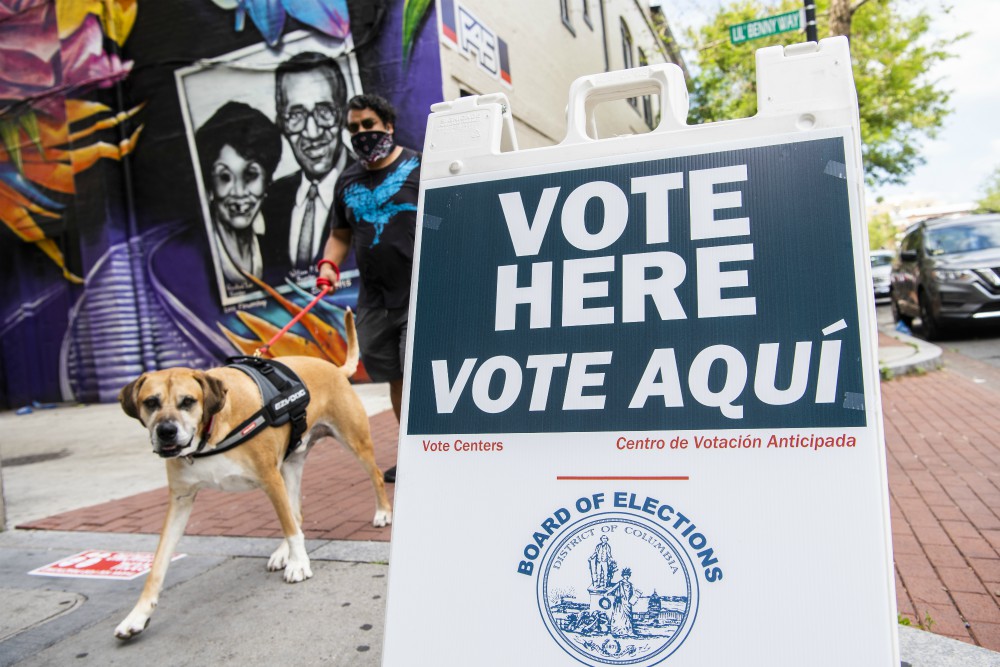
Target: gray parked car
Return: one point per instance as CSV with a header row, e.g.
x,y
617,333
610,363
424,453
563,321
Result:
x,y
881,272
947,272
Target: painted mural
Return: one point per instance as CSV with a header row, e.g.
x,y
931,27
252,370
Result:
x,y
166,169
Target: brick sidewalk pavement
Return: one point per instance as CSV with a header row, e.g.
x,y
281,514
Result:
x,y
338,502
943,441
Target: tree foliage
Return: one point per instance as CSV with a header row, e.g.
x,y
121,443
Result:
x,y
881,232
990,203
893,54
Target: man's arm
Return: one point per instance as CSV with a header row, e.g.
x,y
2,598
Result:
x,y
336,249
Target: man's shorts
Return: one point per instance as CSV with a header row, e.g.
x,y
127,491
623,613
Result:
x,y
382,337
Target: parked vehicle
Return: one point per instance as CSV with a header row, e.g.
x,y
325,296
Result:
x,y
882,272
947,272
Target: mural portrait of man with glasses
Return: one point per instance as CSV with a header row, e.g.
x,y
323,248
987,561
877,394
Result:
x,y
310,98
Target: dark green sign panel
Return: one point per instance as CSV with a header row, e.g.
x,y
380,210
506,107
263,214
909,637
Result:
x,y
710,291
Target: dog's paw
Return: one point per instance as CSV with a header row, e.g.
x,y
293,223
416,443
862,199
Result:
x,y
294,573
382,519
131,626
279,559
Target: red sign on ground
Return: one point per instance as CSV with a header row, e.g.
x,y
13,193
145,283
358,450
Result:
x,y
123,565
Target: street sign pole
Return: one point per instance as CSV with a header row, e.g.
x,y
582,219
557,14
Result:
x,y
810,10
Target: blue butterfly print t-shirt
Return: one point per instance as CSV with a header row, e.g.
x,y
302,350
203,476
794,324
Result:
x,y
380,208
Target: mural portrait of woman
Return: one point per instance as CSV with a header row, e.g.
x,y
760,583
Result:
x,y
239,149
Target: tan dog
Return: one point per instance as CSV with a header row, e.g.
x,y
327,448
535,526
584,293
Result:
x,y
177,405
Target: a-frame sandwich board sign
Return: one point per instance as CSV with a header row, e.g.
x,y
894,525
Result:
x,y
642,421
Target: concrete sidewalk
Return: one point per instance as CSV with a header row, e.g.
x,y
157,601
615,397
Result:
x,y
943,442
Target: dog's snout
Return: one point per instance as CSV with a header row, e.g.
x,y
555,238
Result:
x,y
166,431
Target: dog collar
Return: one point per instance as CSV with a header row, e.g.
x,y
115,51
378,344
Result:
x,y
205,434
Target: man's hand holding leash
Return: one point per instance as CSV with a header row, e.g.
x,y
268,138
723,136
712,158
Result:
x,y
334,253
329,275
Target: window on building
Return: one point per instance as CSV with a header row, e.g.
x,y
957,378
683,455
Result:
x,y
627,62
564,10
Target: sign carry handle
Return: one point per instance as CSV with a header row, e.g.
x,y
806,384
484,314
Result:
x,y
665,80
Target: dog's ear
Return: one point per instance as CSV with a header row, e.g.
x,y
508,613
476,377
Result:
x,y
127,397
215,393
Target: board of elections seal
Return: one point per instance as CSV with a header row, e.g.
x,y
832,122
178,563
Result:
x,y
618,589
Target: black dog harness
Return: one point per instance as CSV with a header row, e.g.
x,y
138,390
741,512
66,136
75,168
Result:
x,y
284,397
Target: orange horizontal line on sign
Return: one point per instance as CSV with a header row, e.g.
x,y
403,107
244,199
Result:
x,y
599,478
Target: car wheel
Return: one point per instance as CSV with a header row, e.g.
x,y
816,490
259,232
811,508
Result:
x,y
932,327
897,314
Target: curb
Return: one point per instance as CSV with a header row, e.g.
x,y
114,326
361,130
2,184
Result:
x,y
920,648
918,356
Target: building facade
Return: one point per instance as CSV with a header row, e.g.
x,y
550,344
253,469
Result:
x,y
533,51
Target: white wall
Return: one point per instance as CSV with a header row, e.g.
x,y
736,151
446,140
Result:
x,y
546,56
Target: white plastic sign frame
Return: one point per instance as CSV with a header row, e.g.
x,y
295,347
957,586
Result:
x,y
642,422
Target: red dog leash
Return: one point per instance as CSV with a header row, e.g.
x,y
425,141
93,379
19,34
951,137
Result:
x,y
266,346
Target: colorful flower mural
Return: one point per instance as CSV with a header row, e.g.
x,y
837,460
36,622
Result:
x,y
323,328
327,16
52,53
414,13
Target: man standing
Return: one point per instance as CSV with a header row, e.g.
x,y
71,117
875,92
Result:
x,y
310,95
600,564
375,212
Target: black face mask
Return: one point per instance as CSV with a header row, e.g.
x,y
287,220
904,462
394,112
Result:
x,y
372,145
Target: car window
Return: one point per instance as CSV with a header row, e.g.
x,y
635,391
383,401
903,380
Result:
x,y
963,238
881,260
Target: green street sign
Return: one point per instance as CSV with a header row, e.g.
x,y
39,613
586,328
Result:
x,y
772,25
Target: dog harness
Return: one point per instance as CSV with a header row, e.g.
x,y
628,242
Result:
x,y
284,397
